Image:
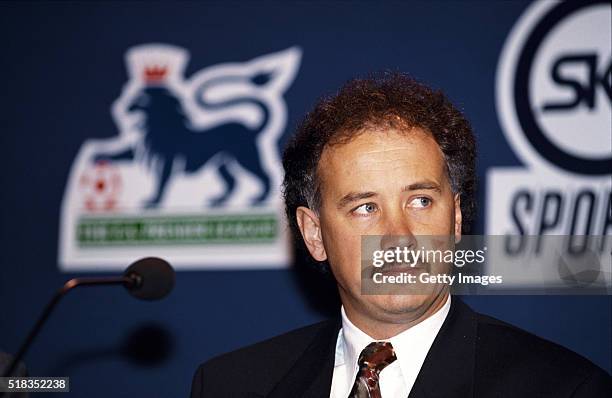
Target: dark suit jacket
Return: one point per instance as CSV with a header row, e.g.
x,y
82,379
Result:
x,y
473,356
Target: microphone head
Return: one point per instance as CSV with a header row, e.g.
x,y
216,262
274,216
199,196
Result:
x,y
153,278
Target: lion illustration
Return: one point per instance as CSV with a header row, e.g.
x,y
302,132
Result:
x,y
168,136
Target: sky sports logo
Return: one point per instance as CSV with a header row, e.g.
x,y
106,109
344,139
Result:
x,y
554,100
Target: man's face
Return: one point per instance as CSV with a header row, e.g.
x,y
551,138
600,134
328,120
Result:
x,y
380,183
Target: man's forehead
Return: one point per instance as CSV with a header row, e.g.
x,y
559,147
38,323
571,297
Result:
x,y
383,147
374,158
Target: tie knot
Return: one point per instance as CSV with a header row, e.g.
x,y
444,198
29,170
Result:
x,y
376,356
372,360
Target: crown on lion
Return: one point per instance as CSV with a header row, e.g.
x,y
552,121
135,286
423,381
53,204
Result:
x,y
155,74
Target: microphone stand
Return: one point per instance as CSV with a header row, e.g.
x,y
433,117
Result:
x,y
131,280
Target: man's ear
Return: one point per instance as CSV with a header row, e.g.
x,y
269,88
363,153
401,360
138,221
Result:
x,y
458,218
310,227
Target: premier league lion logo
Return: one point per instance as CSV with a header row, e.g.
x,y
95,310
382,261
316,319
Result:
x,y
206,144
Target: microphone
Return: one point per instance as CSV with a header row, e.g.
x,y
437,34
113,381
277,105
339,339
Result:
x,y
149,278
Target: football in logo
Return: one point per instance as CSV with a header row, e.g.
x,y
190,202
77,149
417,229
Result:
x,y
101,186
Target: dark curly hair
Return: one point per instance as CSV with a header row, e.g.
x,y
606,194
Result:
x,y
387,99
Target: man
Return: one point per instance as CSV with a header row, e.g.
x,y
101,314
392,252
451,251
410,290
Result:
x,y
389,157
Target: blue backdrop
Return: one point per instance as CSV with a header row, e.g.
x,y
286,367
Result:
x,y
62,66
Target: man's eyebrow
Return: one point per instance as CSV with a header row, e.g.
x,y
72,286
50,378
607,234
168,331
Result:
x,y
354,196
430,185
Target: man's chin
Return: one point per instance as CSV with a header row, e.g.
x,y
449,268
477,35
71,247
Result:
x,y
401,305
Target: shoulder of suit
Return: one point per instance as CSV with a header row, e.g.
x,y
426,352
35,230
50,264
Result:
x,y
252,367
501,336
504,351
285,345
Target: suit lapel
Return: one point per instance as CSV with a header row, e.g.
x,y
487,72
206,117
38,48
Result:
x,y
448,370
311,375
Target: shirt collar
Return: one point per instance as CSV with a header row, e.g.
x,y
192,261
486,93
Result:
x,y
411,346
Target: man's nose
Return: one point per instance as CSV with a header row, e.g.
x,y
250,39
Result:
x,y
398,234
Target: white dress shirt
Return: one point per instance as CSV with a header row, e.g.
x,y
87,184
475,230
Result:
x,y
411,347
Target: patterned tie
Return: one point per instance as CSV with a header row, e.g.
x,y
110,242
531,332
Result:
x,y
372,360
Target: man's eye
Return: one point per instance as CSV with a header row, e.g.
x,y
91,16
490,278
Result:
x,y
365,209
420,202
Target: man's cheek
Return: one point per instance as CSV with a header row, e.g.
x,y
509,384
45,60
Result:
x,y
433,223
344,257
